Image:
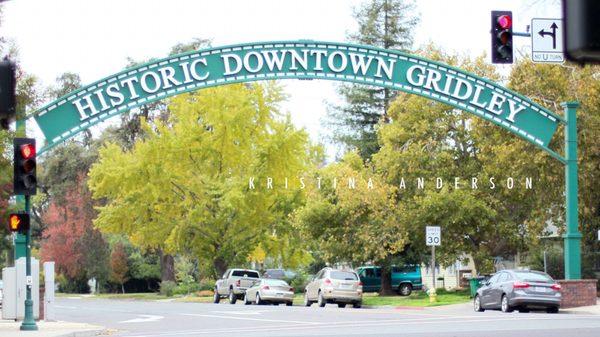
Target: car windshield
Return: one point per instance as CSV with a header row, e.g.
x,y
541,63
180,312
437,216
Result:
x,y
533,277
275,283
343,275
245,273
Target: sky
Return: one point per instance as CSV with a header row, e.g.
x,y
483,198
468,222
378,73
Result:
x,y
94,38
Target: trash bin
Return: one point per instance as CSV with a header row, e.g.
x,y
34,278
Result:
x,y
475,283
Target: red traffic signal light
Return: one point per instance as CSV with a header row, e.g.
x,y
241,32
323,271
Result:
x,y
18,222
502,48
25,180
27,150
504,21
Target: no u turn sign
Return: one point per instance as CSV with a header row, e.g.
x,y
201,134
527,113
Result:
x,y
547,41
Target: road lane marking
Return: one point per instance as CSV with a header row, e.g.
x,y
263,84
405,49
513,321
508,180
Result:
x,y
144,319
319,325
251,319
239,312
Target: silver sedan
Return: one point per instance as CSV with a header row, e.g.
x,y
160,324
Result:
x,y
269,291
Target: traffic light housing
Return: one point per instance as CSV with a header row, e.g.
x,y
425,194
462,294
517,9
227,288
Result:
x,y
7,93
502,36
25,180
18,222
582,31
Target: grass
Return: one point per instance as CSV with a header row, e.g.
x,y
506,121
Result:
x,y
416,299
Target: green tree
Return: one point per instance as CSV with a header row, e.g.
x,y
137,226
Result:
x,y
352,217
381,23
188,180
429,140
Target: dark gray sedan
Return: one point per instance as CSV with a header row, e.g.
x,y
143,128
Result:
x,y
518,289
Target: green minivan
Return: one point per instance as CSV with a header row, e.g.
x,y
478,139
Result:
x,y
405,279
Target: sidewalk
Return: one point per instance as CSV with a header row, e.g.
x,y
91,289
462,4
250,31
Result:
x,y
10,328
592,309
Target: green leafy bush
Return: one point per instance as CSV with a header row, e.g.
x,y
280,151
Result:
x,y
167,288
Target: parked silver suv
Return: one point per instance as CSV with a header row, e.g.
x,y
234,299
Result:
x,y
334,286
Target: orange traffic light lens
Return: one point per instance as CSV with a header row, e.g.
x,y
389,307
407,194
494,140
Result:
x,y
14,222
27,151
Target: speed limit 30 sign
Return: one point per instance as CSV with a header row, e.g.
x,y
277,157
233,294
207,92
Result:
x,y
433,235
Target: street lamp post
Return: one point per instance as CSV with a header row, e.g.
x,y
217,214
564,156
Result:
x,y
28,323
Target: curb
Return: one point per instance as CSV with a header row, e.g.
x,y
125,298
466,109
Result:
x,y
87,333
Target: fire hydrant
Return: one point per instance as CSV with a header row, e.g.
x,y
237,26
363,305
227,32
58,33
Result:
x,y
432,295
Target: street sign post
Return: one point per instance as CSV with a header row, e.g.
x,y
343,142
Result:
x,y
547,41
433,237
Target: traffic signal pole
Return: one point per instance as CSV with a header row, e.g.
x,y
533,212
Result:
x,y
572,237
20,240
28,323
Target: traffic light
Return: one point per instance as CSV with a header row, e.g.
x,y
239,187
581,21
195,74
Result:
x,y
582,31
7,93
18,222
502,35
25,181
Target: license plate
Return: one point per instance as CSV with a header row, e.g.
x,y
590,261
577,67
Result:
x,y
279,295
346,286
540,289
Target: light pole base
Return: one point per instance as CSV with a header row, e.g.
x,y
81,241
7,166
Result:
x,y
28,326
28,323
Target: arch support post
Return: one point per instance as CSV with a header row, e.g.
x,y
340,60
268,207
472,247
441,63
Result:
x,y
572,237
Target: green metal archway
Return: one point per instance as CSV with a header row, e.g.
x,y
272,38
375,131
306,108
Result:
x,y
307,59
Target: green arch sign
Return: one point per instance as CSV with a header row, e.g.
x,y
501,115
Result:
x,y
395,70
307,59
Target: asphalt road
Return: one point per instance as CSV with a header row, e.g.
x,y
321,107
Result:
x,y
167,318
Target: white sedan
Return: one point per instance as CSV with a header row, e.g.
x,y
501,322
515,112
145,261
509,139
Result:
x,y
269,291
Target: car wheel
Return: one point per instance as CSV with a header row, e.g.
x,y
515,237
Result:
x,y
321,301
232,297
504,306
258,301
477,304
289,304
552,310
357,305
307,302
246,302
341,305
405,289
216,297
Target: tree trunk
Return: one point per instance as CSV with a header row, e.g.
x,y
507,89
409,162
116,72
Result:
x,y
220,266
122,288
386,280
167,267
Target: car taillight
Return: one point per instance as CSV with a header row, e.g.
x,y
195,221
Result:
x,y
327,281
360,284
520,285
266,288
237,283
556,287
291,289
